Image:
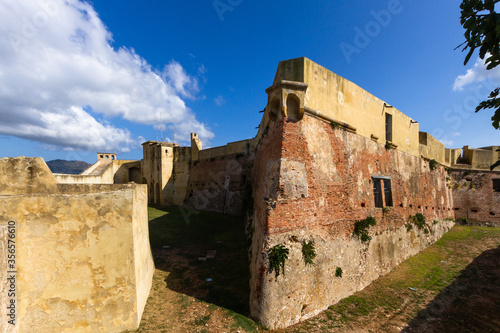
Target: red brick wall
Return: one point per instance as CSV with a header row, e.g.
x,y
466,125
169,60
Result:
x,y
334,205
474,197
312,181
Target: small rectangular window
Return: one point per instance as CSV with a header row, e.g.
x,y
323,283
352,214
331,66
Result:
x,y
243,180
496,185
388,127
388,192
377,192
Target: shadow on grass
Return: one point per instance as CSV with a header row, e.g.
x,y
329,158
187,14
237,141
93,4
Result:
x,y
470,304
179,239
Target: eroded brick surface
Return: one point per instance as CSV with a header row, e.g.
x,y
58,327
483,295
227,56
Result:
x,y
311,187
475,198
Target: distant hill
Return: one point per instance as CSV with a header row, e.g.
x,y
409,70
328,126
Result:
x,y
68,167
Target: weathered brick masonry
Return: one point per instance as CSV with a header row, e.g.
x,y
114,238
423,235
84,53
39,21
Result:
x,y
475,198
312,181
219,184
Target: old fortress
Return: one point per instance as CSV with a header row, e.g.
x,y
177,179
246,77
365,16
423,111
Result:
x,y
327,154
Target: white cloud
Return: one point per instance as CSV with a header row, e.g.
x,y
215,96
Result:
x,y
476,74
219,101
447,143
456,133
58,71
183,83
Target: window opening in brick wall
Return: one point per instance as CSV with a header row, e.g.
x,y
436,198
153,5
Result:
x,y
382,191
388,192
377,192
496,185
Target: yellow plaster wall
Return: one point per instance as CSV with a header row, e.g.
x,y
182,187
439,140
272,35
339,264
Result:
x,y
432,148
343,100
85,263
482,158
237,147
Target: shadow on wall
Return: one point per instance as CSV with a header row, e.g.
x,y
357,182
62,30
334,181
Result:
x,y
470,304
206,256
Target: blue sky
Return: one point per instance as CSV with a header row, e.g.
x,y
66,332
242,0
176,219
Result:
x,y
81,77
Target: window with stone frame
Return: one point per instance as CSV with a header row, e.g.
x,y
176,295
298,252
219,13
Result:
x,y
382,191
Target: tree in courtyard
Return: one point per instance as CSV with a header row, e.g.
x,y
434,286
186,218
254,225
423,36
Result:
x,y
482,31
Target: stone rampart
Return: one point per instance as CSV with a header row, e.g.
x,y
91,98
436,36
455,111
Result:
x,y
312,182
83,259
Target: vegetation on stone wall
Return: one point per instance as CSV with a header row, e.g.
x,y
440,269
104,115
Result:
x,y
389,145
308,252
433,164
361,228
418,219
338,272
277,256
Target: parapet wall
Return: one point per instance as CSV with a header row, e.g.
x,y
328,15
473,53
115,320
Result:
x,y
83,259
312,182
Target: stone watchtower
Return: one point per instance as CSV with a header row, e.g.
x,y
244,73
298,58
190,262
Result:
x,y
156,169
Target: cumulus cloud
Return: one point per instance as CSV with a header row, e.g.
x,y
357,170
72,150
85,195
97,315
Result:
x,y
476,74
62,83
183,83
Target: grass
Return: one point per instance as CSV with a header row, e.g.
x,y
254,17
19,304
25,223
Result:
x,y
182,301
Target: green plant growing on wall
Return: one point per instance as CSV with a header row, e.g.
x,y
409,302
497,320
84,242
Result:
x,y
435,222
409,227
389,145
308,252
361,228
386,209
277,256
449,171
338,272
418,220
433,164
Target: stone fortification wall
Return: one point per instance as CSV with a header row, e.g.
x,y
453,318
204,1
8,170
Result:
x,y
83,259
312,182
431,148
220,184
475,196
113,172
334,96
